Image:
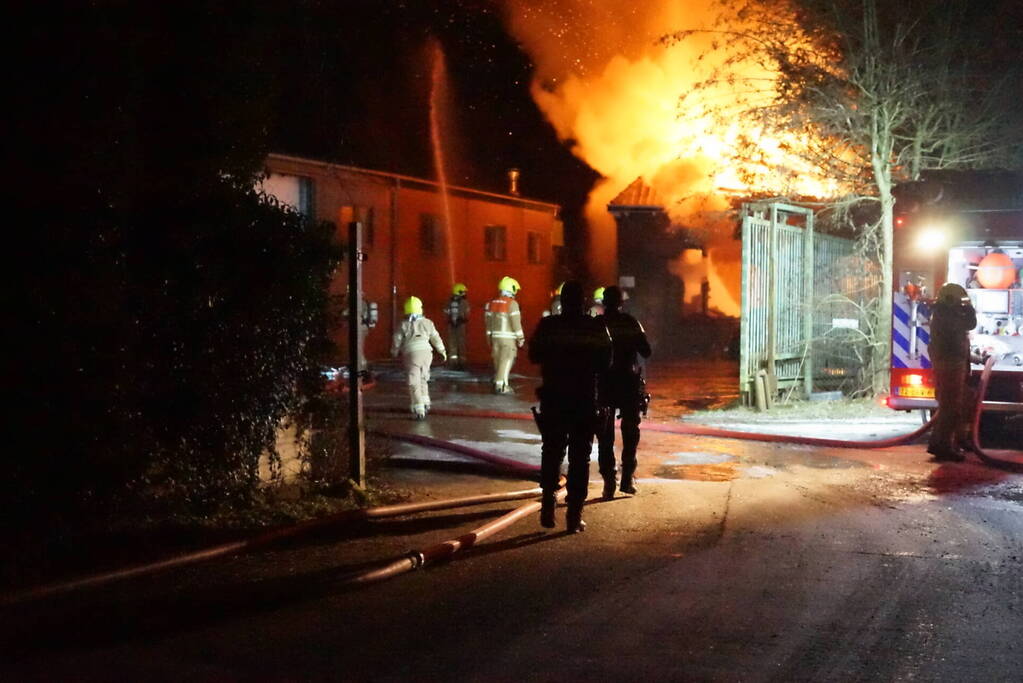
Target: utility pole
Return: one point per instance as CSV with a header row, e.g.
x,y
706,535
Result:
x,y
356,416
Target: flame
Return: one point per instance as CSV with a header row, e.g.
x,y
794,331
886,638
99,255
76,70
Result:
x,y
611,91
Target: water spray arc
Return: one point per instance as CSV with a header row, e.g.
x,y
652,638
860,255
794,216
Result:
x,y
438,81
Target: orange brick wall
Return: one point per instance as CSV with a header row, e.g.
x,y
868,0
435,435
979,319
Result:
x,y
395,257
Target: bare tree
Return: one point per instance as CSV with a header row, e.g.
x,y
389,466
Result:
x,y
867,95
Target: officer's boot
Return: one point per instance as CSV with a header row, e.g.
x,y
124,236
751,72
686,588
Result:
x,y
609,487
547,505
574,523
627,485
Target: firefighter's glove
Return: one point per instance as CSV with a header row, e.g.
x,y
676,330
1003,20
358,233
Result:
x,y
443,357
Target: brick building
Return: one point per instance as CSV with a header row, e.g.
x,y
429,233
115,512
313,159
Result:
x,y
412,250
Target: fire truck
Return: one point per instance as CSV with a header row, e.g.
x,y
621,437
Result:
x,y
966,228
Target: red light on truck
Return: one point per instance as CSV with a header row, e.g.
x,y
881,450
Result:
x,y
913,380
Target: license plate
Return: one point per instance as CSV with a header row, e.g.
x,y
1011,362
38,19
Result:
x,y
916,392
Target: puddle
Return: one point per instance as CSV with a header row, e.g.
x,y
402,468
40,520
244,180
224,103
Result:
x,y
723,471
697,458
517,434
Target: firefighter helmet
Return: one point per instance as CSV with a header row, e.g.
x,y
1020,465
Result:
x,y
459,289
951,293
598,294
509,284
413,306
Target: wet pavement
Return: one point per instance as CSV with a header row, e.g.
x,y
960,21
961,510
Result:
x,y
738,560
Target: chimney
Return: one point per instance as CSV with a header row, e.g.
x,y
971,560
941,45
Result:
x,y
513,181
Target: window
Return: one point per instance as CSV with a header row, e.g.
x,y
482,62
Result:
x,y
534,247
294,191
429,234
495,243
306,204
361,214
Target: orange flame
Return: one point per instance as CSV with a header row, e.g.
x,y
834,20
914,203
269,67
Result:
x,y
611,91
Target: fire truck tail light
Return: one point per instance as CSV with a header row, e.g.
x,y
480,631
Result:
x,y
913,380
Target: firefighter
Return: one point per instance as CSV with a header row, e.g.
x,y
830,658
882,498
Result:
x,y
622,389
952,317
572,350
503,323
457,314
598,302
555,308
413,341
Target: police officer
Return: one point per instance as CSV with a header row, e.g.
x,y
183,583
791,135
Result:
x,y
952,317
503,323
457,314
413,341
621,389
572,349
598,302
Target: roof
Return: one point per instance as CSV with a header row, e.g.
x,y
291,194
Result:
x,y
638,195
404,179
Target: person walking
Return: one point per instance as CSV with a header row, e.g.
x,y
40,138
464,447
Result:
x,y
413,341
572,350
622,389
457,314
503,322
952,317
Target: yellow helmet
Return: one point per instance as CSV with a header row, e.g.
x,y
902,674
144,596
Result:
x,y
509,284
598,294
459,289
951,293
413,306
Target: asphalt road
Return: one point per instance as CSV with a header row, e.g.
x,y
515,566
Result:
x,y
736,561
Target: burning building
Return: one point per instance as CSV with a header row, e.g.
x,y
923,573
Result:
x,y
412,250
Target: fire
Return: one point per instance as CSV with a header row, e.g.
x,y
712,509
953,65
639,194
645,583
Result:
x,y
611,91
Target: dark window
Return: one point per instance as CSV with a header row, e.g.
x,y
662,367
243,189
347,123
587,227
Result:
x,y
429,234
495,243
306,197
366,216
361,214
534,247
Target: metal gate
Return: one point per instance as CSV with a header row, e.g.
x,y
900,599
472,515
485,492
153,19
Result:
x,y
783,267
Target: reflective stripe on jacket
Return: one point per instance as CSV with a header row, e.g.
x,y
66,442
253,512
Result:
x,y
503,320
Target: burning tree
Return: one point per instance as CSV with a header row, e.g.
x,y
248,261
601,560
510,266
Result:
x,y
867,95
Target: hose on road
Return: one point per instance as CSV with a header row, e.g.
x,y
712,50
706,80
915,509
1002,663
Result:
x,y
294,530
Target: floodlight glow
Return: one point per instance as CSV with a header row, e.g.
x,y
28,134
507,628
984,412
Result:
x,y
930,238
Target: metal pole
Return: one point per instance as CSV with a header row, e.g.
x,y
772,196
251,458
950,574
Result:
x,y
809,272
356,416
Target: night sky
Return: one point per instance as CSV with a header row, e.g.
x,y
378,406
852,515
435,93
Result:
x,y
361,83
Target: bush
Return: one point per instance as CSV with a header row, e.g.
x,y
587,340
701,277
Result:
x,y
165,344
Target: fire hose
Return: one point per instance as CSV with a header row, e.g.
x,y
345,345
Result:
x,y
1009,465
417,558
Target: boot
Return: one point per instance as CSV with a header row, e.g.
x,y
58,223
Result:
x,y
574,523
547,504
609,487
627,485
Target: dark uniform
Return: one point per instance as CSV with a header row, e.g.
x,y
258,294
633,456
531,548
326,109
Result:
x,y
572,349
622,391
952,317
